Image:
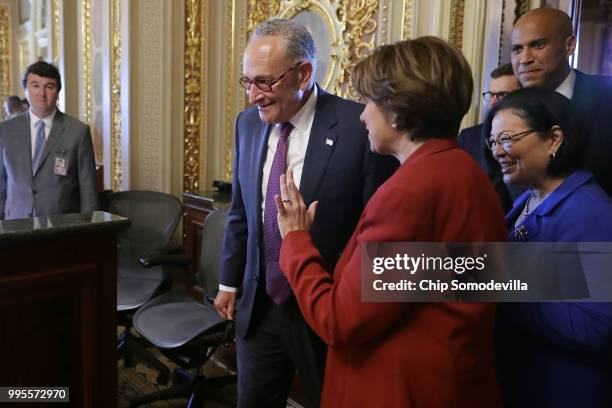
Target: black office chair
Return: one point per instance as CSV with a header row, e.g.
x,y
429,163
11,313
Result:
x,y
188,331
154,217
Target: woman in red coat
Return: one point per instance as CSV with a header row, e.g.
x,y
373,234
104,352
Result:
x,y
401,354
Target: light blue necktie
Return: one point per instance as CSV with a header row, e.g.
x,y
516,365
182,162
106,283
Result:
x,y
40,143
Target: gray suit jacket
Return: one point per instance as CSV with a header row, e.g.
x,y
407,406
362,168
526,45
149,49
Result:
x,y
26,193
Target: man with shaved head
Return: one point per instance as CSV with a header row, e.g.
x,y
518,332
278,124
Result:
x,y
542,42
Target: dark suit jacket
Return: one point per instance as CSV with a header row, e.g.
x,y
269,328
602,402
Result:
x,y
592,101
405,354
342,176
24,193
472,140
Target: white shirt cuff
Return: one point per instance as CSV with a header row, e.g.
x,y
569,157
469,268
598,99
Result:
x,y
227,288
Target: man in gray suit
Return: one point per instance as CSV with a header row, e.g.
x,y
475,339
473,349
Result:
x,y
47,163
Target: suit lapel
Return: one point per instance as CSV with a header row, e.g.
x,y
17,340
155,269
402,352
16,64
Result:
x,y
321,145
584,97
56,131
24,149
258,158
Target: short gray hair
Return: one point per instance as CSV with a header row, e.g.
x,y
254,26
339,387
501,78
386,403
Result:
x,y
299,44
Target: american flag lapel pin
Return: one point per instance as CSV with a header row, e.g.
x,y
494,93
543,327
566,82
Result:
x,y
329,142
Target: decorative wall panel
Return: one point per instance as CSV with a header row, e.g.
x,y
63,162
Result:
x,y
87,60
55,30
408,19
116,159
230,88
151,127
5,54
194,77
259,11
456,27
351,28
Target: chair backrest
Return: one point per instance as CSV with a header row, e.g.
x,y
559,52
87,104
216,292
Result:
x,y
210,255
154,218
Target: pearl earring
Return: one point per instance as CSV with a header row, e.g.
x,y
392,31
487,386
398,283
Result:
x,y
553,154
394,125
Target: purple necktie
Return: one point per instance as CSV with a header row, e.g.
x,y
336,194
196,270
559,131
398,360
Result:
x,y
277,286
39,144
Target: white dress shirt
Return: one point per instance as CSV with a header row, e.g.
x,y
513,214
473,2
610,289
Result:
x,y
48,121
296,151
567,86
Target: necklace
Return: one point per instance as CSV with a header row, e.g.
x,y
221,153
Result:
x,y
527,210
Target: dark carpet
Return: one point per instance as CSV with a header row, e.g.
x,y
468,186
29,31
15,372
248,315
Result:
x,y
141,379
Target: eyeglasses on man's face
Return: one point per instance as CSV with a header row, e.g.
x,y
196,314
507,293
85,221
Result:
x,y
488,96
263,84
505,139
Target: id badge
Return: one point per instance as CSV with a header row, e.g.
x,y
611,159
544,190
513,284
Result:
x,y
61,166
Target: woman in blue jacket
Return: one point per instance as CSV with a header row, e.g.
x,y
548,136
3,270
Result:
x,y
551,354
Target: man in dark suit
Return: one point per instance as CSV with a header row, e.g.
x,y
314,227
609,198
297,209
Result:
x,y
293,125
47,163
542,41
472,139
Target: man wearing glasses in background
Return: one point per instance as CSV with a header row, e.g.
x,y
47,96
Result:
x,y
294,124
503,81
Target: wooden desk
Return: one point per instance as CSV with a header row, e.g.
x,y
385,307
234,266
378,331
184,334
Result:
x,y
58,302
197,207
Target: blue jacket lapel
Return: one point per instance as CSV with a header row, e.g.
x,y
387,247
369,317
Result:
x,y
529,228
321,145
257,160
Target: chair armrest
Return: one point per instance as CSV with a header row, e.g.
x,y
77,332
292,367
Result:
x,y
164,259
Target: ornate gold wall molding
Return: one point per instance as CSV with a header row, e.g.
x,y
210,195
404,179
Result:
x,y
231,88
328,12
456,26
360,19
384,22
194,78
55,30
259,11
5,54
86,36
116,159
408,19
351,25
